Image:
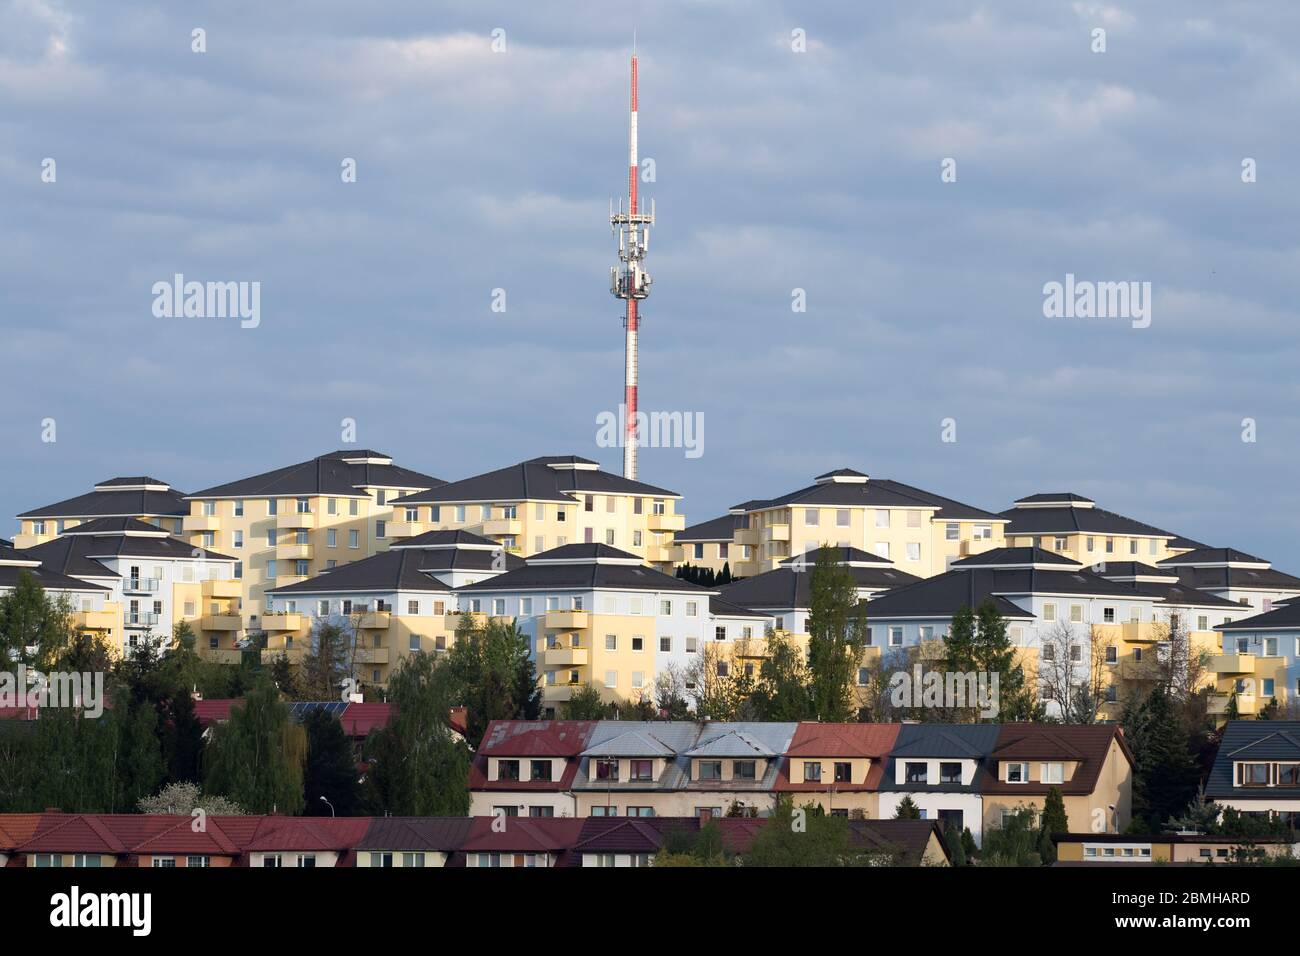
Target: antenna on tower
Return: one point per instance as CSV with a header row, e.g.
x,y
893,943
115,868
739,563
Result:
x,y
628,280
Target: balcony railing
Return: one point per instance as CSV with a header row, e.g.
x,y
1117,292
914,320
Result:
x,y
141,619
139,585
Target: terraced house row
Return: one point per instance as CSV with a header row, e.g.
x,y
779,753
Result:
x,y
968,776
80,840
583,560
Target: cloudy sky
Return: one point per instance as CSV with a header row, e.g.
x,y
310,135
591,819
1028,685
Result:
x,y
775,170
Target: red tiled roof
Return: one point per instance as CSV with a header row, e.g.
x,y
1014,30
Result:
x,y
531,738
359,719
208,711
460,720
828,741
523,835
16,829
308,833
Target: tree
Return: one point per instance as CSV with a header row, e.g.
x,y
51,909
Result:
x,y
977,643
1054,821
715,691
585,703
907,810
419,765
256,757
956,850
181,799
1164,774
1015,843
330,770
1077,685
837,634
490,672
670,692
783,690
808,838
30,619
1201,816
326,663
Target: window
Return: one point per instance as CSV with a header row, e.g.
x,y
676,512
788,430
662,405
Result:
x,y
413,643
1112,654
842,517
539,770
498,607
609,536
638,680
640,811
164,862
611,679
198,861
270,568
352,506
638,642
1049,612
710,769
882,549
1076,653
1252,774
1017,773
611,642
666,644
354,538
950,773
720,633
864,676
1053,773
692,609
914,551
812,772
843,771
1059,543
882,518
983,532
665,607
914,519
692,645
743,769
640,769
916,771
507,769
607,768
1076,613
895,635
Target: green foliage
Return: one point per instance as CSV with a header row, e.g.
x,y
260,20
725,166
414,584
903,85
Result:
x,y
490,672
330,770
907,810
327,662
1054,821
1015,843
837,634
29,619
956,849
782,691
1165,776
419,765
804,839
977,642
256,757
586,704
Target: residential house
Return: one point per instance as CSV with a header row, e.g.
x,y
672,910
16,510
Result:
x,y
838,767
407,842
1073,525
942,768
1259,663
143,498
708,544
526,768
521,842
1257,769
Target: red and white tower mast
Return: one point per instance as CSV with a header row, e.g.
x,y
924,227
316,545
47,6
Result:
x,y
630,282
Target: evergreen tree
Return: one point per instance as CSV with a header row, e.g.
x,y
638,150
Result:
x,y
330,770
956,850
29,619
907,810
1164,775
782,691
326,663
491,673
585,703
1054,821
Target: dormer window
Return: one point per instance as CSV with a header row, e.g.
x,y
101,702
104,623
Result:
x,y
1017,773
1053,773
642,769
950,773
507,769
917,772
812,772
607,769
710,769
843,771
1252,774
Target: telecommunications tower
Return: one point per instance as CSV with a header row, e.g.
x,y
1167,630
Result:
x,y
629,281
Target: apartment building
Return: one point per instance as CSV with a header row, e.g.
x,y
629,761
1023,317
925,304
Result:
x,y
1114,631
390,605
545,503
595,614
919,531
708,544
1257,769
154,579
91,600
1073,525
838,767
1259,662
1180,849
143,498
1251,583
287,525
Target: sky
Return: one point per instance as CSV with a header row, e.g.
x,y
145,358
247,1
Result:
x,y
794,147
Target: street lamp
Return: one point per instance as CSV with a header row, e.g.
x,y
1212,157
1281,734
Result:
x,y
328,804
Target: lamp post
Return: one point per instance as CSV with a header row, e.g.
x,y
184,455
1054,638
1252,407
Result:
x,y
328,804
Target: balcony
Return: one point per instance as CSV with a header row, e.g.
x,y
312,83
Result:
x,y
407,529
1247,705
559,693
139,585
94,620
294,654
973,546
222,655
295,519
665,522
141,620
370,655
747,536
285,621
220,622
292,551
200,523
562,655
452,621
1139,670
1233,663
221,590
375,620
499,527
665,553
566,620
776,532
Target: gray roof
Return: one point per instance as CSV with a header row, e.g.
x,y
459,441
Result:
x,y
634,743
787,589
127,500
400,569
1070,520
341,473
682,738
943,595
1285,617
715,529
583,570
1252,740
537,480
872,493
940,741
13,564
